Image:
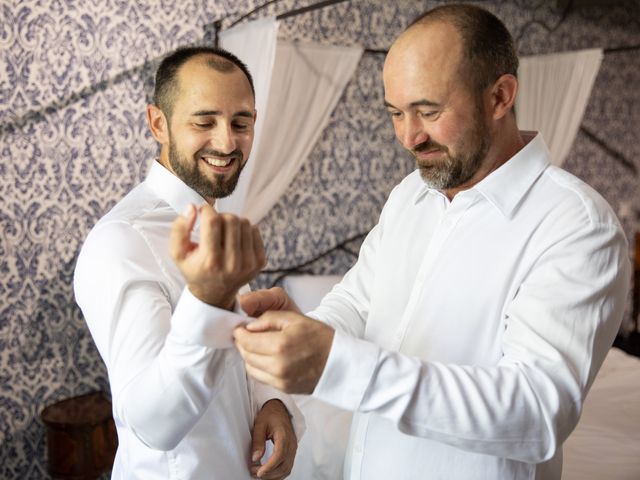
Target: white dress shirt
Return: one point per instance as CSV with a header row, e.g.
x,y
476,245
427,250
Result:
x,y
469,331
182,405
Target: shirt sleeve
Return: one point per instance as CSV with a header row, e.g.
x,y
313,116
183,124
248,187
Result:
x,y
346,306
559,327
165,365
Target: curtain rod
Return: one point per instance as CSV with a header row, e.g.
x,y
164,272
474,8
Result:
x,y
247,15
217,25
309,8
621,49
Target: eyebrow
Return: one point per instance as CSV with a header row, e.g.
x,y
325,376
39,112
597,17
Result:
x,y
207,113
418,103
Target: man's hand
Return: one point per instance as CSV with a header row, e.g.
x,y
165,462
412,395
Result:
x,y
273,423
229,255
256,303
285,350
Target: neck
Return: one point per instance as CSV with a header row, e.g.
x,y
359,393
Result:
x,y
164,161
504,145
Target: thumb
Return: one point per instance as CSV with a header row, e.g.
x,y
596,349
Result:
x,y
258,302
269,321
255,303
180,238
258,440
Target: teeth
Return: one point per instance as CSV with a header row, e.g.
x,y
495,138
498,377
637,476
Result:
x,y
217,162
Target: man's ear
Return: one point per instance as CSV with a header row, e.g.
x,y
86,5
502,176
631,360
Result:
x,y
158,124
503,95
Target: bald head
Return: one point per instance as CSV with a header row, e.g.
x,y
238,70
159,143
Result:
x,y
433,49
482,44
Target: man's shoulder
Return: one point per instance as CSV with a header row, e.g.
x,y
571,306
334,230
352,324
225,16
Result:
x,y
133,207
572,195
129,222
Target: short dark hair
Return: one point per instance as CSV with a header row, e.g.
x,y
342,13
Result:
x,y
166,86
488,48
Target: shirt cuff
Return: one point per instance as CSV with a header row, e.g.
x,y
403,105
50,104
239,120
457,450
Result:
x,y
348,371
197,323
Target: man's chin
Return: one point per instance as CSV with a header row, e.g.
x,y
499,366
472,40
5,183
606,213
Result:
x,y
223,186
435,178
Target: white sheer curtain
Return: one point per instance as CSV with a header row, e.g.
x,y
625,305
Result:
x,y
255,44
304,85
553,95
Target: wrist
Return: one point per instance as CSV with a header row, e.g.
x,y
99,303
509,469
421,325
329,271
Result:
x,y
223,300
277,404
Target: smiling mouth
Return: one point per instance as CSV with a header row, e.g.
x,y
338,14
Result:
x,y
218,162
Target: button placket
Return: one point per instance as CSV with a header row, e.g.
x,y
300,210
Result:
x,y
452,214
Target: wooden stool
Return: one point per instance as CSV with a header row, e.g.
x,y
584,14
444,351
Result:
x,y
81,436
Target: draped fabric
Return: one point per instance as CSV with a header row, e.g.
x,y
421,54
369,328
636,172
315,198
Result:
x,y
304,85
553,96
307,82
255,44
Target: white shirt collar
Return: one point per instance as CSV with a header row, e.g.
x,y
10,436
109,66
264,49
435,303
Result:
x,y
506,186
171,188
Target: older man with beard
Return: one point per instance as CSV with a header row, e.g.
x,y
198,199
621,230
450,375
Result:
x,y
183,405
483,303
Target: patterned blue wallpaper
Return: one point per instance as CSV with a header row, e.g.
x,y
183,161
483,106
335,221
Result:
x,y
73,141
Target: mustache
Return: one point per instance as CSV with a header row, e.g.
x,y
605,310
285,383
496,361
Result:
x,y
215,153
427,146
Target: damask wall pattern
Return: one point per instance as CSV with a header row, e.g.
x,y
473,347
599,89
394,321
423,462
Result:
x,y
73,141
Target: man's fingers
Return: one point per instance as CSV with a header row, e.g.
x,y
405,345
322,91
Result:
x,y
258,302
267,323
264,345
211,233
180,238
258,247
271,467
258,439
255,360
263,376
232,247
246,244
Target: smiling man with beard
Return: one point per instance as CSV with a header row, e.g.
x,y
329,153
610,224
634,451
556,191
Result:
x,y
183,405
482,305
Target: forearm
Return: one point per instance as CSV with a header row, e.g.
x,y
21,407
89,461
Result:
x,y
163,402
164,367
506,410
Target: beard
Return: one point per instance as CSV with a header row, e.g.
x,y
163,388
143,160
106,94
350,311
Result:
x,y
454,170
188,171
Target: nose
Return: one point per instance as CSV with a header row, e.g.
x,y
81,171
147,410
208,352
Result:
x,y
224,138
410,131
